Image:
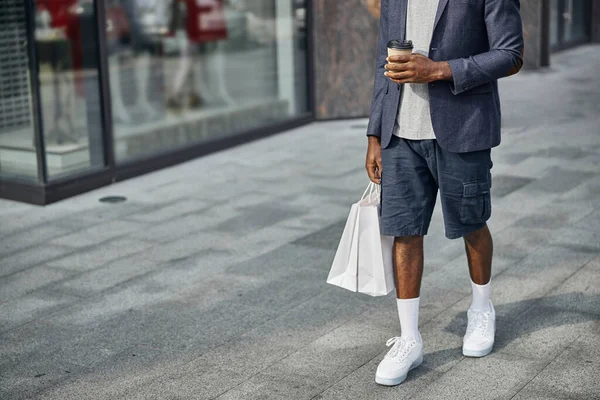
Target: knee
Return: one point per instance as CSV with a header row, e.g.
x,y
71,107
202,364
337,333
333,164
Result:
x,y
478,235
409,240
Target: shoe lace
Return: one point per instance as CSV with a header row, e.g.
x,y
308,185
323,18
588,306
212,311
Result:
x,y
401,347
478,322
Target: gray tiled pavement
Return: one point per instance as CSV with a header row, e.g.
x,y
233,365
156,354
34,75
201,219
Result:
x,y
209,282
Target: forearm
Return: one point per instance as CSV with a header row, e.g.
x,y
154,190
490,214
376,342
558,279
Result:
x,y
482,68
505,57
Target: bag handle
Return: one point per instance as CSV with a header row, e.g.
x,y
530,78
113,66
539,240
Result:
x,y
372,187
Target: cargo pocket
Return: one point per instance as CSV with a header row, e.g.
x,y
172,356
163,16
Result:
x,y
476,206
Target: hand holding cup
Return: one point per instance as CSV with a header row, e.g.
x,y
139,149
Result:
x,y
404,66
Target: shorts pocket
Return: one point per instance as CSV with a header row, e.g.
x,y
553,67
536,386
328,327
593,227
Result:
x,y
476,205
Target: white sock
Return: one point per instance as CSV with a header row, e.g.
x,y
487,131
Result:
x,y
408,311
481,296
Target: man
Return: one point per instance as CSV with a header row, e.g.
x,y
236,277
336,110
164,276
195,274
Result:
x,y
434,118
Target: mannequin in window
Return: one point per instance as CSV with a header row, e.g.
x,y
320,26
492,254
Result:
x,y
118,34
67,65
204,23
139,23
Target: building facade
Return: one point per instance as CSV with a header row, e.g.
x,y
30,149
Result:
x,y
96,91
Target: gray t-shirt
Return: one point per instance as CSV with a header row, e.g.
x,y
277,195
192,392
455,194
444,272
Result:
x,y
414,119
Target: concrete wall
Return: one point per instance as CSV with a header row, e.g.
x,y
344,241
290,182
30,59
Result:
x,y
536,44
345,37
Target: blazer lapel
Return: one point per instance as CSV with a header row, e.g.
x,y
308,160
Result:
x,y
441,7
397,21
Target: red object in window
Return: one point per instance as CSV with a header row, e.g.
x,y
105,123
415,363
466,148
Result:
x,y
64,16
205,21
59,10
117,22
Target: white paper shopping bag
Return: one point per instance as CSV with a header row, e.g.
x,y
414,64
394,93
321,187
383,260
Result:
x,y
375,268
344,269
363,261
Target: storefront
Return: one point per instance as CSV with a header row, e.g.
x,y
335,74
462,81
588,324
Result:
x,y
97,91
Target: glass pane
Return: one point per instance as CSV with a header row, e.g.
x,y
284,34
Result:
x,y
568,17
555,14
579,27
192,71
69,86
17,148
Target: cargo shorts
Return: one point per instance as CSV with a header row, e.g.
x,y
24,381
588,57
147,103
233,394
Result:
x,y
412,173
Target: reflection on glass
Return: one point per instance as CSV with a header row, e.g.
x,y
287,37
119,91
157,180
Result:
x,y
555,14
18,157
191,71
69,87
579,27
568,20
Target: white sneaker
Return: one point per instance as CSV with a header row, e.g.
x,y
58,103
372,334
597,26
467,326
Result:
x,y
405,354
481,328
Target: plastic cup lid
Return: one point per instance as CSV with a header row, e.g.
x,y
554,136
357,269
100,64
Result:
x,y
400,44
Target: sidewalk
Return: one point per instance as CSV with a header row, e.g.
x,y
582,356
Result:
x,y
209,282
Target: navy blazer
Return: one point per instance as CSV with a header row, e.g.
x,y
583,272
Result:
x,y
483,41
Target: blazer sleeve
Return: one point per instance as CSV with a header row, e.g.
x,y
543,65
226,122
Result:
x,y
505,57
374,128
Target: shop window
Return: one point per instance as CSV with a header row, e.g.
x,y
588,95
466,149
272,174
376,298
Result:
x,y
184,72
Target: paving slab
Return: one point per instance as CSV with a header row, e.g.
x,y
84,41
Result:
x,y
34,376
32,306
573,375
497,376
91,258
108,379
31,257
171,210
304,374
38,235
542,332
97,234
26,281
262,346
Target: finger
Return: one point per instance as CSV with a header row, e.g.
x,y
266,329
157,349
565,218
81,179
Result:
x,y
396,67
399,75
376,174
408,80
371,169
370,172
399,58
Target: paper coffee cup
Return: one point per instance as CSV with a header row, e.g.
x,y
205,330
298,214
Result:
x,y
400,47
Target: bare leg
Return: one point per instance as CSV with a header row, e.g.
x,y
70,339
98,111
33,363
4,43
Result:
x,y
119,109
183,70
143,66
480,248
408,266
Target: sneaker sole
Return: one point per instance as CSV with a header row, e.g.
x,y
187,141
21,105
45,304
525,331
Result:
x,y
400,379
476,353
